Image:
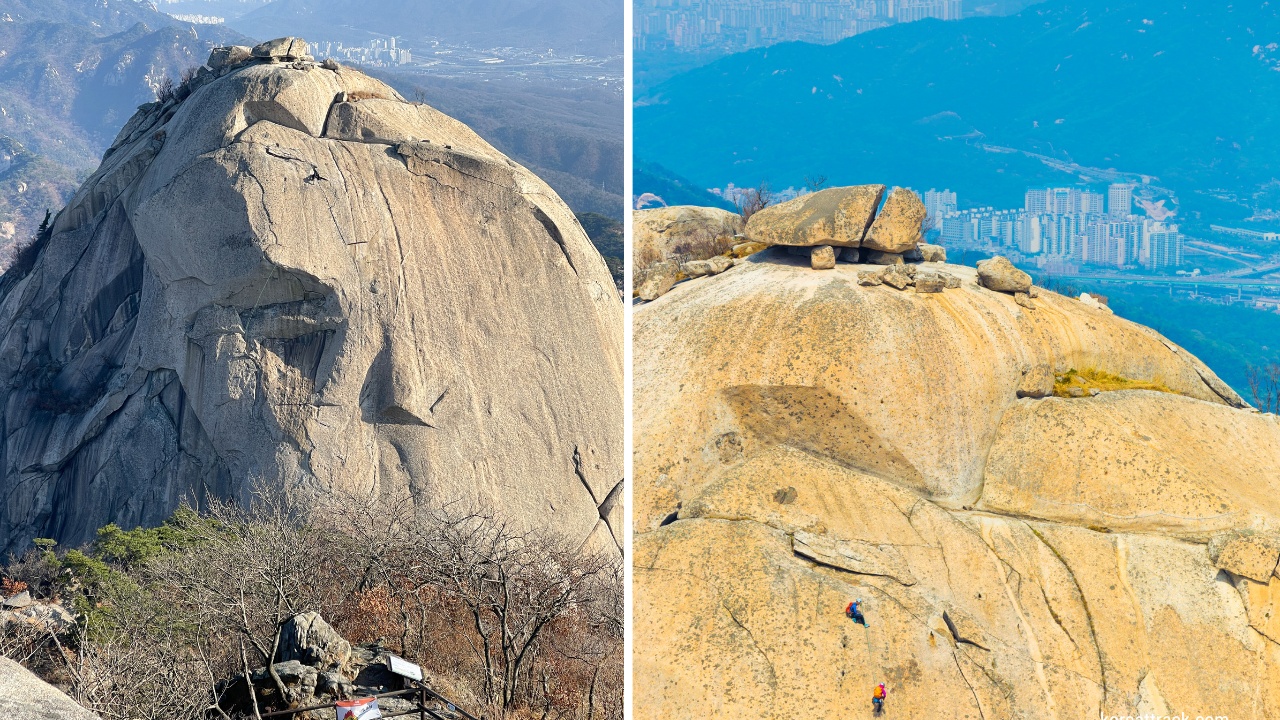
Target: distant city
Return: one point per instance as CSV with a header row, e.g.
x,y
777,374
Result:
x,y
1060,229
734,25
379,52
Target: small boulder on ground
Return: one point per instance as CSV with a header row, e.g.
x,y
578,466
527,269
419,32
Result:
x,y
870,278
703,268
310,640
999,274
898,226
932,253
822,257
930,282
836,216
896,276
1024,300
1037,382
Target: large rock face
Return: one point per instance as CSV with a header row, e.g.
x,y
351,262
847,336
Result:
x,y
23,696
290,276
802,441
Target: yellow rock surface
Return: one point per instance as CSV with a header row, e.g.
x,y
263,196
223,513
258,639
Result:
x,y
802,441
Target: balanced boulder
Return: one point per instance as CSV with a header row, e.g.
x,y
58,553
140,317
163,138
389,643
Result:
x,y
835,216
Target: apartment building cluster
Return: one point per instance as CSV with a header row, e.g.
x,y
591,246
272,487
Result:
x,y
741,24
381,52
1059,229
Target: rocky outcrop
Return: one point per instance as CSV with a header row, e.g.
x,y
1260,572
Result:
x,y
682,233
802,439
23,696
288,276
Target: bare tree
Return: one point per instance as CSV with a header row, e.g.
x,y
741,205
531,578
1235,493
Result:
x,y
814,184
752,200
1264,385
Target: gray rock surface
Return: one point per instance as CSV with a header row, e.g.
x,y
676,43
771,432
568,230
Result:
x,y
307,638
285,48
23,696
239,297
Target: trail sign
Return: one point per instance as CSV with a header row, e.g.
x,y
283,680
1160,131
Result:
x,y
404,668
358,709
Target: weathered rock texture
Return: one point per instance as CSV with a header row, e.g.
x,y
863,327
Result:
x,y
897,227
23,696
682,233
802,440
835,216
291,276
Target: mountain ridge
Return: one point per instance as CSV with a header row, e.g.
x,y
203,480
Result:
x,y
1112,88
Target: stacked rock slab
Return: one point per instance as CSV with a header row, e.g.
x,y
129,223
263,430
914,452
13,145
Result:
x,y
840,220
835,217
289,277
802,440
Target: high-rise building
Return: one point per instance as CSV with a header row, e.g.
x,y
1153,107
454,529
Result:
x,y
1091,203
1036,202
1120,200
939,204
1161,245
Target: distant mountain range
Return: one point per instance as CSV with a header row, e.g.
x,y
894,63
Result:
x,y
1183,95
71,73
592,27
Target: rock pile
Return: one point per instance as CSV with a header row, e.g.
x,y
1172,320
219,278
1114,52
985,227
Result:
x,y
317,666
43,617
902,276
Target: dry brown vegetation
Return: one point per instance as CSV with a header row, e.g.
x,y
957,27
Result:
x,y
512,623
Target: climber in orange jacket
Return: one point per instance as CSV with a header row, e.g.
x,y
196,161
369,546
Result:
x,y
877,698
